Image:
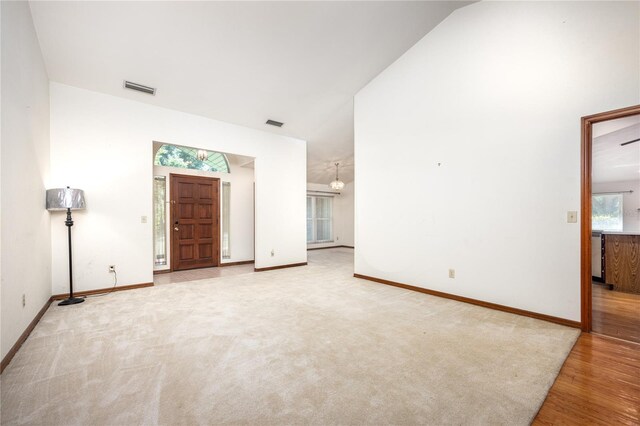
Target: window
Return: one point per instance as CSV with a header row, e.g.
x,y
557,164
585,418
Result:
x,y
190,158
226,217
606,212
319,219
159,220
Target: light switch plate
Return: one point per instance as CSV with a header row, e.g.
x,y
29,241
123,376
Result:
x,y
572,216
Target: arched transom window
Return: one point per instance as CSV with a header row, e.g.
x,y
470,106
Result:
x,y
190,158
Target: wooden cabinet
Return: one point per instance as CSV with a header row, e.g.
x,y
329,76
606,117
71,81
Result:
x,y
621,261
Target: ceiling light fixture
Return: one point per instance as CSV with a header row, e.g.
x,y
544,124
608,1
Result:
x,y
337,184
202,155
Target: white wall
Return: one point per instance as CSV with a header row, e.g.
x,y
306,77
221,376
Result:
x,y
241,209
103,144
342,222
26,250
495,94
2,351
344,219
630,201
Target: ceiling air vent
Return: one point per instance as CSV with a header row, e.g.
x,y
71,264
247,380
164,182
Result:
x,y
139,87
274,123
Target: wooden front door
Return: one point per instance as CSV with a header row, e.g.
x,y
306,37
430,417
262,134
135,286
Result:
x,y
195,212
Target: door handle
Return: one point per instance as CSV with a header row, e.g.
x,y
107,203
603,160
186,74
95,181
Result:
x,y
175,228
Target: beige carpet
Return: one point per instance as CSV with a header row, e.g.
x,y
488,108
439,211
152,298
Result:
x,y
293,346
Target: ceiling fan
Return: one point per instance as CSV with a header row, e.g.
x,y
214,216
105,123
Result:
x,y
630,142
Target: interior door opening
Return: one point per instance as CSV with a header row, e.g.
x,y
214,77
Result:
x,y
610,225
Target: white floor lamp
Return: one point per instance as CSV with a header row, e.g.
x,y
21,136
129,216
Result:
x,y
67,199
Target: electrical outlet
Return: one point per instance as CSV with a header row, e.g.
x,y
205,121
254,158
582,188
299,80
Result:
x,y
452,273
273,252
112,268
143,219
24,300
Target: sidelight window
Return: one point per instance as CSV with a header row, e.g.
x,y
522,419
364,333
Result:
x,y
159,220
226,220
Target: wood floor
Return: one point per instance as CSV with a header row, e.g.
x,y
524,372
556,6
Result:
x,y
616,314
599,384
201,274
600,380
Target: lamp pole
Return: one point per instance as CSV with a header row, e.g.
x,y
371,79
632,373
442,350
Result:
x,y
71,300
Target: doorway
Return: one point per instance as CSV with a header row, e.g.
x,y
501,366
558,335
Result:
x,y
610,224
195,221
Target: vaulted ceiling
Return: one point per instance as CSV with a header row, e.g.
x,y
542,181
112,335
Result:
x,y
614,158
241,62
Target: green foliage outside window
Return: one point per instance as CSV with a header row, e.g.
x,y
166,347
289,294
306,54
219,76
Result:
x,y
607,212
187,158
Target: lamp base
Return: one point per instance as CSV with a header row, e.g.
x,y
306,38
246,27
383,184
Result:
x,y
71,301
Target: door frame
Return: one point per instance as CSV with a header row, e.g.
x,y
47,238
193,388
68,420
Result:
x,y
172,204
586,155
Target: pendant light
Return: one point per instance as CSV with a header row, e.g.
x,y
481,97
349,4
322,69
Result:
x,y
337,184
202,155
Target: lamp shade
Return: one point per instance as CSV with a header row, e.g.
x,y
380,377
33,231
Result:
x,y
65,198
